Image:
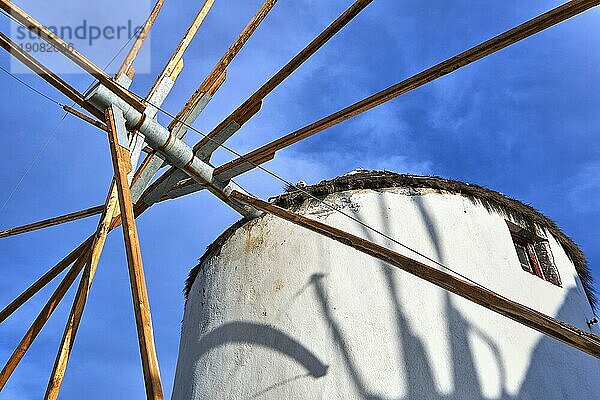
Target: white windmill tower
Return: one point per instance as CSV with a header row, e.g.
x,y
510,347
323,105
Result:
x,y
133,129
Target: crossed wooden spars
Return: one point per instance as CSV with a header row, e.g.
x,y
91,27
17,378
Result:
x,y
128,121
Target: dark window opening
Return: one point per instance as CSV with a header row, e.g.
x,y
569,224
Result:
x,y
534,254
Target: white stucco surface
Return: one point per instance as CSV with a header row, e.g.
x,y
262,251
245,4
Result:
x,y
283,313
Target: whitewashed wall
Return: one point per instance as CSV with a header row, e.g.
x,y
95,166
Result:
x,y
282,312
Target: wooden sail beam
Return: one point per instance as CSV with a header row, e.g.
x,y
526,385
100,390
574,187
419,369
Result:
x,y
252,105
47,35
41,320
60,365
158,93
52,222
216,76
122,166
44,280
207,89
45,73
529,28
549,326
175,63
127,65
86,118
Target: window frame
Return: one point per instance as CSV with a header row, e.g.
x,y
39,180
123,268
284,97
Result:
x,y
528,243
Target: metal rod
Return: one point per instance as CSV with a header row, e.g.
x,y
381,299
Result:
x,y
47,35
531,27
139,41
122,166
559,330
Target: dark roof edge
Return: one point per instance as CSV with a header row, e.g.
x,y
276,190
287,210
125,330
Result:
x,y
379,180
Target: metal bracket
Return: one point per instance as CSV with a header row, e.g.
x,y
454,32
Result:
x,y
122,135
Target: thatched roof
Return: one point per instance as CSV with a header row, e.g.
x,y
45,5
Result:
x,y
378,180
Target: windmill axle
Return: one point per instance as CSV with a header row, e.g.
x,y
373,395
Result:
x,y
175,150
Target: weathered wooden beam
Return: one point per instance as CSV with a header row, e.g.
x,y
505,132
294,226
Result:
x,y
175,63
216,76
44,280
230,125
122,167
47,35
111,208
52,222
559,330
252,105
41,320
531,27
46,74
127,65
157,95
84,117
207,89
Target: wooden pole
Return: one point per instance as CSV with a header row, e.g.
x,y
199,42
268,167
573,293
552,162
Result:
x,y
216,77
122,166
167,78
47,35
44,280
252,105
127,65
568,334
41,319
46,74
174,65
79,303
52,222
529,28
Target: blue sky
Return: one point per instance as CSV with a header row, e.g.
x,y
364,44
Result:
x,y
523,121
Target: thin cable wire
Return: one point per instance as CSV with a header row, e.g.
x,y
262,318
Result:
x,y
56,128
32,164
267,171
310,195
47,97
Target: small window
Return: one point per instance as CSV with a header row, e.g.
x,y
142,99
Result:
x,y
534,254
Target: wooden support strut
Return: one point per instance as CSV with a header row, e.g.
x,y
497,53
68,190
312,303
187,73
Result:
x,y
97,245
561,331
127,64
122,167
41,320
157,94
252,105
44,280
267,152
52,222
46,74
